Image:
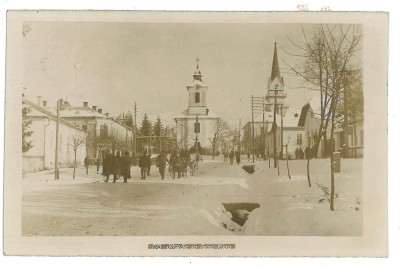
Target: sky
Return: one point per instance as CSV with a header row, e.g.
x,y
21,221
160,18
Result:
x,y
114,65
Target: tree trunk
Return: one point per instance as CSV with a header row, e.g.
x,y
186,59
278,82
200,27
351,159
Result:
x,y
73,175
332,148
213,150
277,163
287,162
308,171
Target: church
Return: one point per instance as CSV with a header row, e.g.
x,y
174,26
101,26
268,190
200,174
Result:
x,y
196,121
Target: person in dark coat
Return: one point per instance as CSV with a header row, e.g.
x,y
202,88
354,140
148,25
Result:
x,y
301,154
161,163
144,162
117,165
238,157
126,166
98,163
107,166
87,160
231,156
111,167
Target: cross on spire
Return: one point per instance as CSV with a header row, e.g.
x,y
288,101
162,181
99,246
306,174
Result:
x,y
197,60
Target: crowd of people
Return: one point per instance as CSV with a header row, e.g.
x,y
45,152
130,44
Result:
x,y
180,164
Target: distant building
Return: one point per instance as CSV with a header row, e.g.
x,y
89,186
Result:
x,y
310,119
103,132
43,127
197,111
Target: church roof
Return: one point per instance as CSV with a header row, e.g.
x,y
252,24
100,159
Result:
x,y
185,114
275,72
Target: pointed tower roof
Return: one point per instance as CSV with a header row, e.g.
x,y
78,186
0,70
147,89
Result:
x,y
275,72
197,74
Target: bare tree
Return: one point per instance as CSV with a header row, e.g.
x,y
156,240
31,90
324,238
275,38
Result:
x,y
76,139
222,130
327,56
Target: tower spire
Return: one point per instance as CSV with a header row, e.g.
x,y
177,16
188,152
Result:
x,y
275,72
197,74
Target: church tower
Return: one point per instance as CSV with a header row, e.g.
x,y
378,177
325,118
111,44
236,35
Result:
x,y
276,86
197,93
196,123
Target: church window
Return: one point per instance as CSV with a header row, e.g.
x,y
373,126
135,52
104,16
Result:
x,y
197,97
196,127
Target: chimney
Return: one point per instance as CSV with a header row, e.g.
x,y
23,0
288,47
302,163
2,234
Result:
x,y
44,103
100,110
85,104
61,102
39,100
107,114
94,107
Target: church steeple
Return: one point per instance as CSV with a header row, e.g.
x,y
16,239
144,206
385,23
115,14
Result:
x,y
197,74
275,72
276,86
197,92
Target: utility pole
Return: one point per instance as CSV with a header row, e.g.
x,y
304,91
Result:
x,y
239,147
274,129
135,113
252,123
274,125
197,134
281,155
56,170
263,131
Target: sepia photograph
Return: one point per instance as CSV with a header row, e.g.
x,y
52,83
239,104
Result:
x,y
187,131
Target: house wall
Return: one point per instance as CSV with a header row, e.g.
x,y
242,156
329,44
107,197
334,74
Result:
x,y
42,155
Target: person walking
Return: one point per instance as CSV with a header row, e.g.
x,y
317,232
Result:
x,y
161,163
108,164
238,157
86,161
144,163
126,166
98,163
111,167
117,165
231,156
301,154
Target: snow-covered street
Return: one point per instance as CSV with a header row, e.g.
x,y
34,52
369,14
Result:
x,y
194,205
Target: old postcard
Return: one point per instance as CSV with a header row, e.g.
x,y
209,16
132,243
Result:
x,y
196,134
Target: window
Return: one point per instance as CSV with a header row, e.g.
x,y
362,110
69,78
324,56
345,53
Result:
x,y
299,139
196,127
197,97
84,127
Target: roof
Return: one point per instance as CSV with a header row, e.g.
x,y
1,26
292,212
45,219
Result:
x,y
275,72
39,111
289,120
185,114
81,111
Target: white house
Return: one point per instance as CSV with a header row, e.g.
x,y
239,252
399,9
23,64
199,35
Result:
x,y
43,127
104,132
